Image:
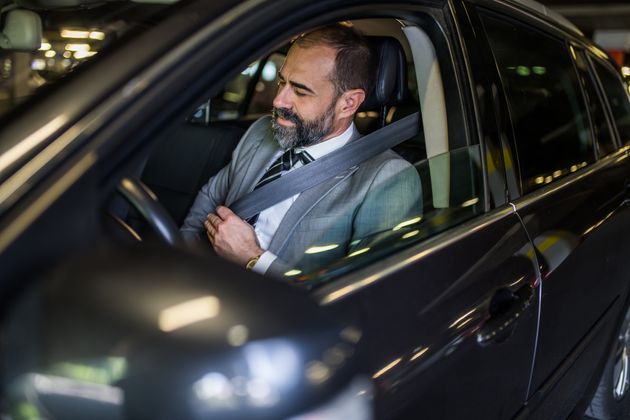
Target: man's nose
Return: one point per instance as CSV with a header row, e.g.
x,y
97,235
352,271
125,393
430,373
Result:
x,y
283,98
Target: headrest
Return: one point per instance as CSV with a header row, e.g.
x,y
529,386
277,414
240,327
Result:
x,y
391,73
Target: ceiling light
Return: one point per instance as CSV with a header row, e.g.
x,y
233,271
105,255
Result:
x,y
78,47
98,35
71,33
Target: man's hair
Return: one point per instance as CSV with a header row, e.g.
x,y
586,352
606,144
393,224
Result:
x,y
354,62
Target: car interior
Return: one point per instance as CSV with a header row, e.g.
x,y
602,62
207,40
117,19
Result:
x,y
409,79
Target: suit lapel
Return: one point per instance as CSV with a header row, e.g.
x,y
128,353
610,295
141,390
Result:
x,y
302,206
259,158
305,203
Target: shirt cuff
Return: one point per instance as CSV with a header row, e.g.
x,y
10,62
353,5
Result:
x,y
263,263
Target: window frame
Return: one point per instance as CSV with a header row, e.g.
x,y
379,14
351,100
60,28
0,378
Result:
x,y
592,59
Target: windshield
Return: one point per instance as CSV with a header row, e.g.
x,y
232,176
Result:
x,y
70,38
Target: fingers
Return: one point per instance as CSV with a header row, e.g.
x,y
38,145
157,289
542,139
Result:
x,y
224,212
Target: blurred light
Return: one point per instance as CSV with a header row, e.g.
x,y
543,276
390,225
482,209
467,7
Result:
x,y
334,356
250,70
190,312
215,390
237,335
548,179
410,234
71,33
274,366
56,385
66,63
317,372
78,47
574,168
351,334
418,354
358,252
260,393
523,71
625,71
67,54
470,202
539,180
557,174
232,97
318,249
50,53
293,272
458,320
38,64
83,54
539,70
355,402
386,368
407,223
98,35
45,46
269,71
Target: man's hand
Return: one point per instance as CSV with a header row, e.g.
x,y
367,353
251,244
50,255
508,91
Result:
x,y
231,237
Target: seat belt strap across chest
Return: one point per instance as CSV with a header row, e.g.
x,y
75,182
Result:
x,y
326,167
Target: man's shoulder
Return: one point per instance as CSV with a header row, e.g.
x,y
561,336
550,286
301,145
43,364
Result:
x,y
387,158
258,132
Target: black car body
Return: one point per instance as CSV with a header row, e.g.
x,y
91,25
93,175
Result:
x,y
505,299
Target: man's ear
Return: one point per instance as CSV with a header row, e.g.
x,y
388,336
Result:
x,y
349,102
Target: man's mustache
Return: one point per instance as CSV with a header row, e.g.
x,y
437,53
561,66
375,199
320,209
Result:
x,y
286,114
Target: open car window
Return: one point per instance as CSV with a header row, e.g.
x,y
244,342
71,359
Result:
x,y
428,184
71,37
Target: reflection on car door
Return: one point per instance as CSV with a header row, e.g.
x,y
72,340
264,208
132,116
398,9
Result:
x,y
573,208
430,341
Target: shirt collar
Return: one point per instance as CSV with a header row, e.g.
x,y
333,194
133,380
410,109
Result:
x,y
320,149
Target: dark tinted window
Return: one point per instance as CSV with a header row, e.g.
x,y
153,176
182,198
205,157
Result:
x,y
617,95
548,112
601,129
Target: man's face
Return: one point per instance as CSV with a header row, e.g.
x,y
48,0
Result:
x,y
304,107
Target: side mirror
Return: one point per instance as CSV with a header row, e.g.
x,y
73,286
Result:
x,y
22,31
147,332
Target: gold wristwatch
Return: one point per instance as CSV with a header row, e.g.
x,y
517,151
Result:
x,y
251,263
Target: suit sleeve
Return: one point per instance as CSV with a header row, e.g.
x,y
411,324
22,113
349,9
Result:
x,y
215,191
394,196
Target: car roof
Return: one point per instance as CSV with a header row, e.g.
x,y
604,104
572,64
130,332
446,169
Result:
x,y
532,5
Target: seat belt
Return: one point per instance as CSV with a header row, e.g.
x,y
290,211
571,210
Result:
x,y
326,167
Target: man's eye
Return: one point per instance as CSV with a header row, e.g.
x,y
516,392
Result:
x,y
299,93
281,82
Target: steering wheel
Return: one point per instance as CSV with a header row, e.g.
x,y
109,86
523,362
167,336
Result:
x,y
146,203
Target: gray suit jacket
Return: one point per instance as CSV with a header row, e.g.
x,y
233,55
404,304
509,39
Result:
x,y
339,213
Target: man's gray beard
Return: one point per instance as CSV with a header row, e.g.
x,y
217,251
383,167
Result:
x,y
304,133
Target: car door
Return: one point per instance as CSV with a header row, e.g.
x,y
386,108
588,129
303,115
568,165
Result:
x,y
571,200
450,322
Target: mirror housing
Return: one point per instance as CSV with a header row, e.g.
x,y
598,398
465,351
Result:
x,y
156,332
22,31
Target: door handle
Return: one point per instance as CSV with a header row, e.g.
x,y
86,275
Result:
x,y
505,309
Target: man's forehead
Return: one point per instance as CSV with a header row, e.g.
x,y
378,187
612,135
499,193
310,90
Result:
x,y
315,62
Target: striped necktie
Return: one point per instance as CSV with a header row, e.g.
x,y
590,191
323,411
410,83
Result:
x,y
284,163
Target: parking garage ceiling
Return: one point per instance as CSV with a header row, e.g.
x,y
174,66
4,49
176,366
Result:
x,y
590,15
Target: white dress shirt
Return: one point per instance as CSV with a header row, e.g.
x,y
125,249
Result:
x,y
270,218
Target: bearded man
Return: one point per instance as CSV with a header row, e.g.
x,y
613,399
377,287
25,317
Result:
x,y
326,76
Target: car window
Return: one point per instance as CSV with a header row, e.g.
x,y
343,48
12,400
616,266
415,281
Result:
x,y
265,88
440,188
250,93
601,129
549,117
70,39
617,96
